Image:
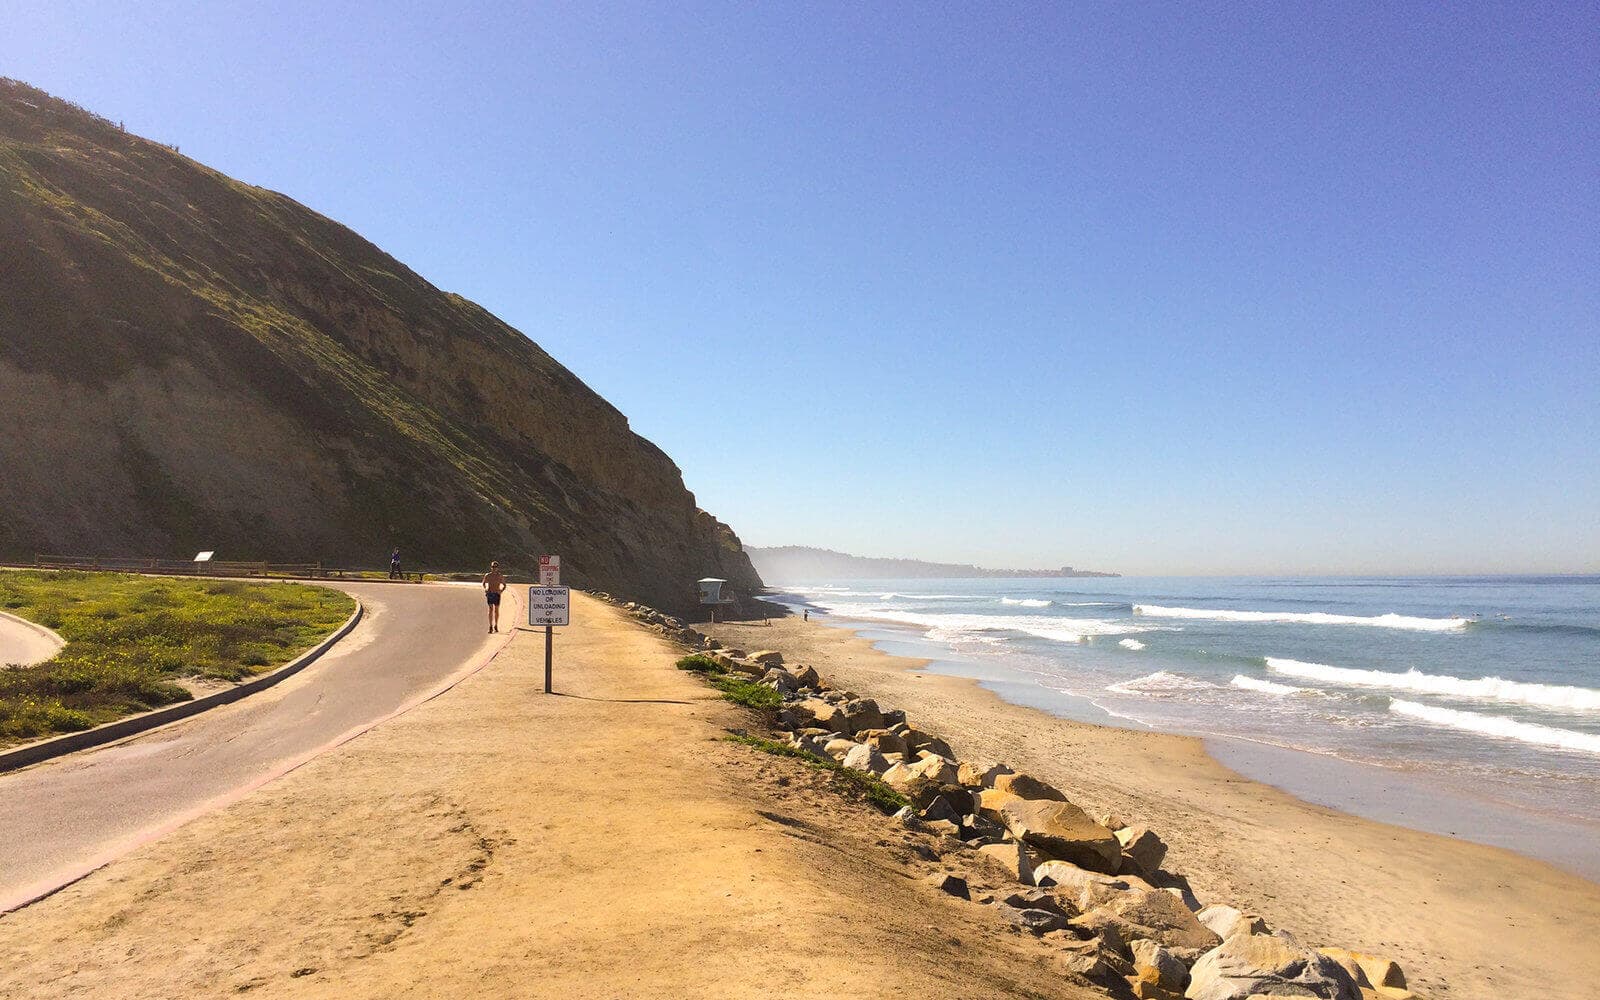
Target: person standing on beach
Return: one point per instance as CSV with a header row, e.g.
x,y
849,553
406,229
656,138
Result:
x,y
494,583
394,565
808,614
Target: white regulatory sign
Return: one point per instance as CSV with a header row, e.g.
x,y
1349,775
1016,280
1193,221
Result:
x,y
549,571
548,605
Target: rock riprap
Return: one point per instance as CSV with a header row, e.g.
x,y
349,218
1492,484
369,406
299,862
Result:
x,y
1095,888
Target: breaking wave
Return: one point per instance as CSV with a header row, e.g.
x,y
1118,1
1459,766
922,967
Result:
x,y
1026,602
1305,618
1556,696
1266,687
1160,683
1499,725
1133,644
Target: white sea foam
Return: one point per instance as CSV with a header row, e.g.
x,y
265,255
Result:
x,y
948,626
1160,683
1133,644
1265,687
1026,602
1557,696
1305,618
1499,725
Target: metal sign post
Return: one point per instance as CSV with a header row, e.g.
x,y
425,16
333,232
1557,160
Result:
x,y
549,606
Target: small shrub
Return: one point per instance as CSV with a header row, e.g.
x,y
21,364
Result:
x,y
700,663
747,693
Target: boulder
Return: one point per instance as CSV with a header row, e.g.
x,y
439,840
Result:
x,y
735,653
865,758
1012,858
991,802
1062,831
1086,889
1153,915
1040,899
803,676
1143,848
894,716
780,681
1096,958
934,769
940,808
917,739
898,776
750,668
827,715
768,657
954,885
711,643
943,828
1226,921
1273,964
1026,786
862,713
1381,975
980,775
884,740
1036,921
839,747
1157,967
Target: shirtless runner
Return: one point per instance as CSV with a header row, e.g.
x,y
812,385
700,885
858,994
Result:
x,y
494,583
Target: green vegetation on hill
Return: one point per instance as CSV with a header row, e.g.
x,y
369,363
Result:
x,y
128,638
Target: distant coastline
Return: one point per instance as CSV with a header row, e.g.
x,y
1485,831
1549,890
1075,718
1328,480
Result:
x,y
802,562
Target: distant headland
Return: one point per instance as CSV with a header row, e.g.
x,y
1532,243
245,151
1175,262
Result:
x,y
802,562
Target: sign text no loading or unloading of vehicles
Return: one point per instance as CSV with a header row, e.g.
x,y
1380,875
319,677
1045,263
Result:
x,y
549,605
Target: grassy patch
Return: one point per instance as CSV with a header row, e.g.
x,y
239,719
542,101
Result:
x,y
864,784
700,663
738,690
129,638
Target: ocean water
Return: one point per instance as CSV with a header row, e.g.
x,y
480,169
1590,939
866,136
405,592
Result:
x,y
1487,687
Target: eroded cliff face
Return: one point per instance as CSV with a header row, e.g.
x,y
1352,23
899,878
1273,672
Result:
x,y
189,362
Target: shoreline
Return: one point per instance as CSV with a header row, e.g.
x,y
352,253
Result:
x,y
1464,919
1365,789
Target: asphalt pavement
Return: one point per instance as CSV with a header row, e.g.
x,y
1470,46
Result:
x,y
62,818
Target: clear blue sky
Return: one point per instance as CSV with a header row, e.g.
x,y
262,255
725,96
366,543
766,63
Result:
x,y
1176,288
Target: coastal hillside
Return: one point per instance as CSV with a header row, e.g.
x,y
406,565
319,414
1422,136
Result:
x,y
799,562
189,362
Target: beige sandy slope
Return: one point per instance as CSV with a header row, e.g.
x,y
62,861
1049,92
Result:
x,y
500,843
1465,921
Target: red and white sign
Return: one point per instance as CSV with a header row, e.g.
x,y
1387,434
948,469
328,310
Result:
x,y
549,571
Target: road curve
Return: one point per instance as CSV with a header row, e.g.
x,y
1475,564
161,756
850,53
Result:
x,y
65,817
23,643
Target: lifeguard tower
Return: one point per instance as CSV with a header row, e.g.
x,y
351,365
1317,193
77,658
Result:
x,y
711,595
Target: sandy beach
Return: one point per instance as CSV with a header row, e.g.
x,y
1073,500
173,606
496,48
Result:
x,y
497,842
1463,920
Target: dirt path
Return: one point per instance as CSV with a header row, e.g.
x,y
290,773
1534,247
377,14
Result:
x,y
499,843
1465,921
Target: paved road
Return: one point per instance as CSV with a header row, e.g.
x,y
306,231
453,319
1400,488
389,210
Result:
x,y
58,817
25,643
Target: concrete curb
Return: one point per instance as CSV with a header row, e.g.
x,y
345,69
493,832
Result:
x,y
49,634
56,746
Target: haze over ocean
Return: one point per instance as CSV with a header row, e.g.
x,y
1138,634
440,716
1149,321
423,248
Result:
x,y
1483,687
1169,289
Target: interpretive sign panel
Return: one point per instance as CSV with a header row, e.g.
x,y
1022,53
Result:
x,y
548,605
549,571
